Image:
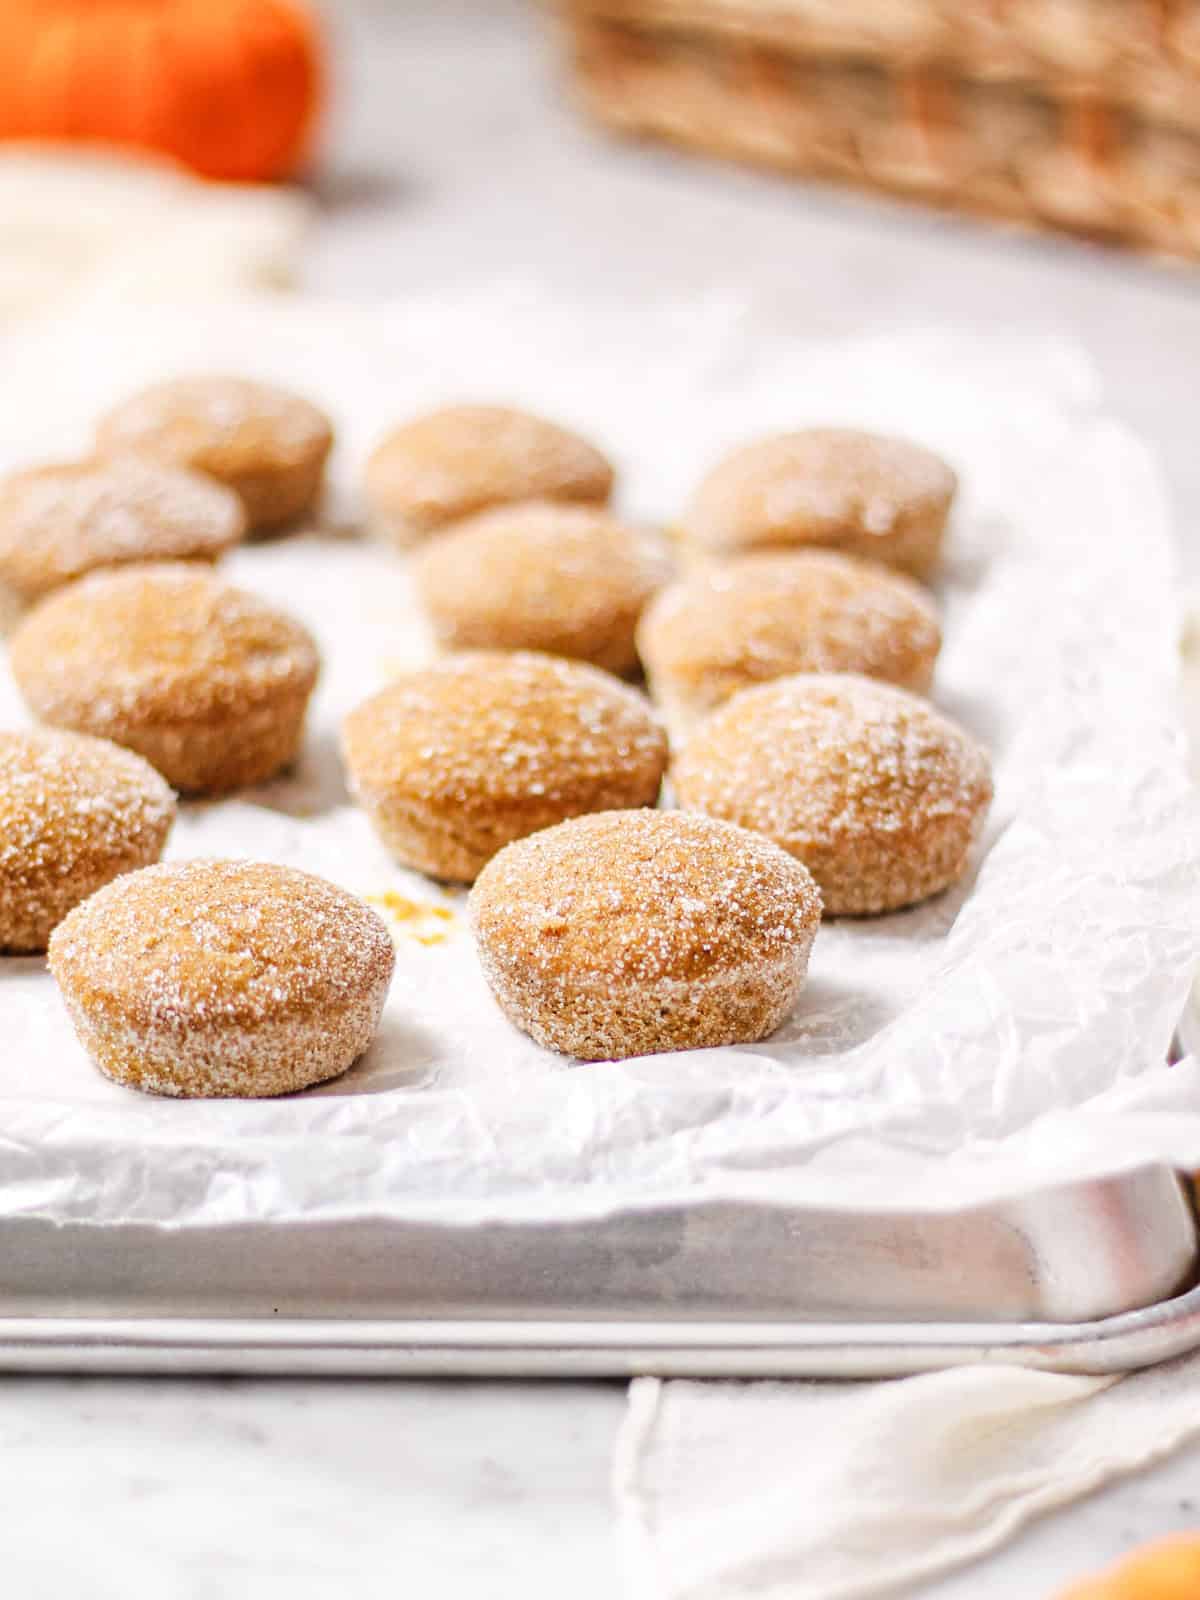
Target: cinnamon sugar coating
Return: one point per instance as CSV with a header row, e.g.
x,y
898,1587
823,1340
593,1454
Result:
x,y
452,463
208,683
266,444
455,761
223,978
864,494
569,580
634,932
60,522
768,616
880,796
74,814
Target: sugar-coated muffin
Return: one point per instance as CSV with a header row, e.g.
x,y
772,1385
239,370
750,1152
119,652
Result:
x,y
266,444
452,463
862,493
880,796
60,522
208,683
455,761
767,616
223,978
633,932
74,814
568,580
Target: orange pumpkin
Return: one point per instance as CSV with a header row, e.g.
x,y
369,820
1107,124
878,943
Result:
x,y
228,87
1166,1571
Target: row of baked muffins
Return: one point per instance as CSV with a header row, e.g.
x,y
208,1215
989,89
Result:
x,y
184,469
604,929
526,557
211,685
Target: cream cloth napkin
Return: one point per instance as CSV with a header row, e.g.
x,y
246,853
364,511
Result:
x,y
77,226
835,1491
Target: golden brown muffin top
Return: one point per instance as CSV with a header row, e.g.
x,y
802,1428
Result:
x,y
60,521
818,486
544,575
765,616
820,759
164,640
452,463
69,802
198,946
227,427
644,897
498,725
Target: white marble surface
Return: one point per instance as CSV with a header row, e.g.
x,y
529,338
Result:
x,y
452,154
283,1490
221,1489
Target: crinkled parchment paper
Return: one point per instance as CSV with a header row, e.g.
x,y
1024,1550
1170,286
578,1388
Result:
x,y
1011,1033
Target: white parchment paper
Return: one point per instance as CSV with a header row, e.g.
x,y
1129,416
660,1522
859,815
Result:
x,y
1009,1034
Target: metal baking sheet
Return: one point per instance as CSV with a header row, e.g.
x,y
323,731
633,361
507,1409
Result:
x,y
731,1288
1088,1277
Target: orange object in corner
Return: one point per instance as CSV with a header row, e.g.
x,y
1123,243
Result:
x,y
1169,1570
230,88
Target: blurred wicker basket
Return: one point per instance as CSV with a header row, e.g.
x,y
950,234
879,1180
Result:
x,y
1074,114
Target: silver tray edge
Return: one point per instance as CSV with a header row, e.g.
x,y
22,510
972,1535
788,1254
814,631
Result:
x,y
592,1349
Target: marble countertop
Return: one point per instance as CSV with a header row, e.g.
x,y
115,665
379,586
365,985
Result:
x,y
452,154
215,1489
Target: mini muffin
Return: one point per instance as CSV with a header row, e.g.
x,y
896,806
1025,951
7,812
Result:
x,y
635,932
59,522
762,617
74,814
865,494
223,978
568,580
209,683
269,446
453,762
450,464
877,793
